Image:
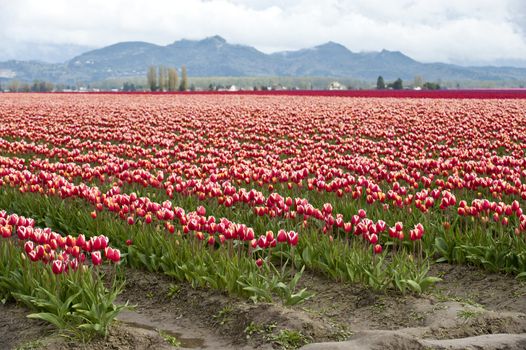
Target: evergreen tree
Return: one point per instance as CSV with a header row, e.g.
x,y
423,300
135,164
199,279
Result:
x,y
380,83
431,86
397,84
184,79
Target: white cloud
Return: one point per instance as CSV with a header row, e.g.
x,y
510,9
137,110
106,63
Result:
x,y
462,31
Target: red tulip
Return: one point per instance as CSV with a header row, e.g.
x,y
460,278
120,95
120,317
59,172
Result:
x,y
33,255
116,256
96,258
29,246
22,232
147,218
81,241
293,238
57,267
201,211
282,236
6,231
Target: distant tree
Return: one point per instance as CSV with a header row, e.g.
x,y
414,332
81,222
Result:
x,y
162,81
419,81
129,87
211,87
172,79
397,84
431,86
184,79
25,87
14,85
41,86
380,83
151,78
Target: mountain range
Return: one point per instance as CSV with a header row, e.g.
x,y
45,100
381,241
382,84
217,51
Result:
x,y
214,56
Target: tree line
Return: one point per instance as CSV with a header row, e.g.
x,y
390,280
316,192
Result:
x,y
398,84
162,78
36,86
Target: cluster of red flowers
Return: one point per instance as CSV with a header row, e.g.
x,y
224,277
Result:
x,y
48,247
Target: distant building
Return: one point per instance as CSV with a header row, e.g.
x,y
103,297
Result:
x,y
233,88
335,85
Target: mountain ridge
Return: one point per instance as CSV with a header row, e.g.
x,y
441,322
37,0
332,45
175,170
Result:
x,y
215,56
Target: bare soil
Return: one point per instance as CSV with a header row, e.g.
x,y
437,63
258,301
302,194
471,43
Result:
x,y
469,309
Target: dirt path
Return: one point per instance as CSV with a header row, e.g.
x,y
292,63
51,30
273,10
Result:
x,y
470,309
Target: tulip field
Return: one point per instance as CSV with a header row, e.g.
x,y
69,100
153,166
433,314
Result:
x,y
245,194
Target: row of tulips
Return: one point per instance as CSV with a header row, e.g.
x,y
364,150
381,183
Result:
x,y
49,247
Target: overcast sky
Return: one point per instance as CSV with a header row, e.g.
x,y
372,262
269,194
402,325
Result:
x,y
456,31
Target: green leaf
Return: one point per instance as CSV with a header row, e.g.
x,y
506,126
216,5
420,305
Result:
x,y
306,256
429,281
414,286
442,246
48,317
